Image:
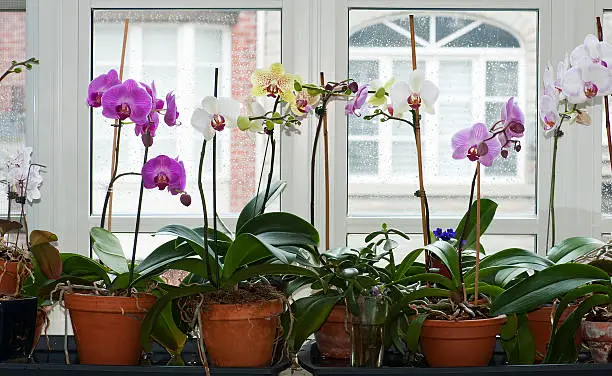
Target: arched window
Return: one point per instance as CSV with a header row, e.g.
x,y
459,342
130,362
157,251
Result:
x,y
477,63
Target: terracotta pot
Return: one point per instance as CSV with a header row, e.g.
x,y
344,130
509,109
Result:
x,y
241,335
333,341
540,326
467,343
107,328
598,337
8,281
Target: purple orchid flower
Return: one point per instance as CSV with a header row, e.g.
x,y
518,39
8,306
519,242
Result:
x,y
477,144
353,107
149,126
164,172
171,114
127,100
99,85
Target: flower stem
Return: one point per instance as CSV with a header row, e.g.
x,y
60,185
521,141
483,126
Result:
x,y
313,158
214,187
271,172
551,230
113,174
465,225
108,193
138,213
204,212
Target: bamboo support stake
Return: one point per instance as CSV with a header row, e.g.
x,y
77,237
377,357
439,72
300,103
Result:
x,y
477,268
326,154
417,135
115,130
605,98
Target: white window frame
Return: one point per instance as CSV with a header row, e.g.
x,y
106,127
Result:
x,y
59,34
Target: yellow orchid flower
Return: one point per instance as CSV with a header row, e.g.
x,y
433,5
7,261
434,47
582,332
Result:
x,y
303,102
273,82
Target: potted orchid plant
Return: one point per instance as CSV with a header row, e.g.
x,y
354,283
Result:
x,y
227,299
103,297
22,257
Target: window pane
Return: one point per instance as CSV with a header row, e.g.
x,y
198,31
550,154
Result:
x,y
606,181
473,84
179,49
363,157
12,88
502,78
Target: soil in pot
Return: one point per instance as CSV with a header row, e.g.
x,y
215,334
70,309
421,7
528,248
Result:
x,y
107,328
333,339
464,343
540,326
241,328
598,337
17,326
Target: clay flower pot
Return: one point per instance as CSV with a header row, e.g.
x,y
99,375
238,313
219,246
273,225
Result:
x,y
333,340
17,326
598,337
467,343
540,326
241,335
8,277
107,328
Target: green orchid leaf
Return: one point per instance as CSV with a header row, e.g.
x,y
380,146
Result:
x,y
428,277
484,288
572,248
246,249
414,331
39,237
309,314
150,321
487,213
562,348
195,240
167,334
517,340
268,270
604,264
449,256
339,254
83,267
162,256
545,286
256,205
405,266
108,248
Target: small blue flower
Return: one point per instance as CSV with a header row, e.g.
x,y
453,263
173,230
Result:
x,y
444,235
450,233
438,233
376,291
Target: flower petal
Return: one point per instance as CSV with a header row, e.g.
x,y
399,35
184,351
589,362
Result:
x,y
416,81
211,105
479,132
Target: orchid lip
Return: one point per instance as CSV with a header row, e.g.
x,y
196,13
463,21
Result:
x,y
217,122
590,89
161,180
472,153
414,101
123,110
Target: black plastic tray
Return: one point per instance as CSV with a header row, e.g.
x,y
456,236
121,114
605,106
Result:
x,y
310,359
52,363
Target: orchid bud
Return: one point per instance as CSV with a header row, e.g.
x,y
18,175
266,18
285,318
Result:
x,y
147,140
504,153
517,147
329,87
517,127
185,199
353,86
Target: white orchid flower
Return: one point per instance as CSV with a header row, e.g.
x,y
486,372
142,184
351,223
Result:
x,y
582,83
21,177
592,51
380,90
418,92
214,115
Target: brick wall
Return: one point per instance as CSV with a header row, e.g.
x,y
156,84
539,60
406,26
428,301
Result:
x,y
244,62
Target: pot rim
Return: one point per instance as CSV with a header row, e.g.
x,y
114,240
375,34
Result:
x,y
109,304
466,323
240,311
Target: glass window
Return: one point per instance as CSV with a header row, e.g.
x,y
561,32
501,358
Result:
x,y
12,88
478,59
180,49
